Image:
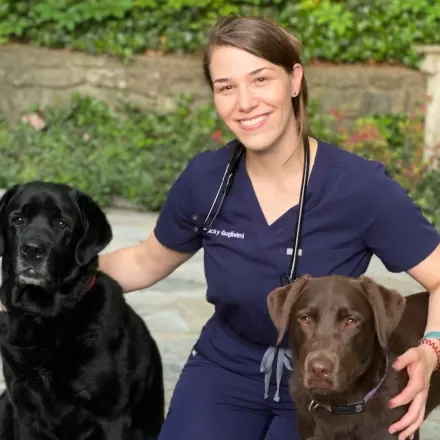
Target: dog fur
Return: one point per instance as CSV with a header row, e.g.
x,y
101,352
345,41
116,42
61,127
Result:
x,y
78,362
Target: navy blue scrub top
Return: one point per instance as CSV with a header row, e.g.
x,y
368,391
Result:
x,y
352,210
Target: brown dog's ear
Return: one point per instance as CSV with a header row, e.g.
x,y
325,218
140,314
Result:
x,y
7,196
388,306
280,302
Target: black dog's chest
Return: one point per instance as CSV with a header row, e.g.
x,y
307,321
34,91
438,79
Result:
x,y
49,402
31,350
30,366
34,376
40,370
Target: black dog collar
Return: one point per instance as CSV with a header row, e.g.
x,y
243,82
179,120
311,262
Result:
x,y
355,407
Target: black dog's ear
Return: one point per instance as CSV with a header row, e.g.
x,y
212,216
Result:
x,y
388,306
97,230
7,196
280,302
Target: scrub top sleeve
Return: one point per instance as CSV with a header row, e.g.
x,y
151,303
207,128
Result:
x,y
174,228
396,230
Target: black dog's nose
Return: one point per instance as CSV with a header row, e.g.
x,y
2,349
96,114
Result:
x,y
320,366
33,248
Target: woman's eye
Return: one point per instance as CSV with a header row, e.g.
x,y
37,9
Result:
x,y
225,88
261,80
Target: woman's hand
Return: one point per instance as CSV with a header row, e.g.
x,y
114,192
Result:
x,y
420,363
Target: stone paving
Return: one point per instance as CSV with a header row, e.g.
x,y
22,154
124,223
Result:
x,y
175,309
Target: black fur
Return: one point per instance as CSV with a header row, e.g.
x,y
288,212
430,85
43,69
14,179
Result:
x,y
78,362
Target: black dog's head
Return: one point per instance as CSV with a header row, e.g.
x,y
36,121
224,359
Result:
x,y
336,324
48,233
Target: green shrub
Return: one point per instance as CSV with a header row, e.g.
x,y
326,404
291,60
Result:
x,y
110,153
338,31
137,155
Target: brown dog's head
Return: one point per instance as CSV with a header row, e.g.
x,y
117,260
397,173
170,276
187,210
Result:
x,y
334,323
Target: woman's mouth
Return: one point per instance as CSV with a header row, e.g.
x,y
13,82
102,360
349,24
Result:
x,y
253,123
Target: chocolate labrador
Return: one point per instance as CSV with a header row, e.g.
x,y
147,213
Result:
x,y
78,362
345,334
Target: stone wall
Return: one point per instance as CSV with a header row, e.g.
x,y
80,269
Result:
x,y
30,75
430,66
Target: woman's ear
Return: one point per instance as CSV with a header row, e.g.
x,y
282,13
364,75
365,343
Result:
x,y
296,78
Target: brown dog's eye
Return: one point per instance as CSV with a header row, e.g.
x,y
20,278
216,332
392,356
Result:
x,y
305,319
351,322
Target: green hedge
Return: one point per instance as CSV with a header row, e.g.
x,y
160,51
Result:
x,y
338,31
137,155
109,153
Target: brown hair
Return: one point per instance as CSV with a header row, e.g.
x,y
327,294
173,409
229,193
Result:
x,y
264,39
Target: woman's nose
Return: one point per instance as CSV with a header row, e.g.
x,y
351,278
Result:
x,y
246,98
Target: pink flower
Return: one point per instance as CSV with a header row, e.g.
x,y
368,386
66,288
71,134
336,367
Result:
x,y
217,136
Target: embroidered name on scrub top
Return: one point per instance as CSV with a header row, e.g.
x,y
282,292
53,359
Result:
x,y
227,234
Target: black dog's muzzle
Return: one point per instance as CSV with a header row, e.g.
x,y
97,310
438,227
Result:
x,y
33,249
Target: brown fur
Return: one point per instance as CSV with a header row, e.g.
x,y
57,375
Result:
x,y
340,329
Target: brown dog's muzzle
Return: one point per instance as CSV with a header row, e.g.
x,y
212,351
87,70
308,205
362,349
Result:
x,y
320,366
319,369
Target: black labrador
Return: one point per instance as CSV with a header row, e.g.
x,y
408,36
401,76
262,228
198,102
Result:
x,y
78,362
345,334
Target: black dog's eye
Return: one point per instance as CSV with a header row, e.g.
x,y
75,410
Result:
x,y
61,224
17,221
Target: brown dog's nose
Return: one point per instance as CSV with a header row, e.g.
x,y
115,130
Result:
x,y
320,366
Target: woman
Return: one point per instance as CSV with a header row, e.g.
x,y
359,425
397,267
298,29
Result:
x,y
234,384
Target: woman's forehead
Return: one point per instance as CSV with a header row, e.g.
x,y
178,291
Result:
x,y
231,63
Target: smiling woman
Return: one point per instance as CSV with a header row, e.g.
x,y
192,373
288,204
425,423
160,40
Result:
x,y
256,54
254,97
235,383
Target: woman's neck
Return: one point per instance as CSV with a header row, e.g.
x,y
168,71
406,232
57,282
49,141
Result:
x,y
281,161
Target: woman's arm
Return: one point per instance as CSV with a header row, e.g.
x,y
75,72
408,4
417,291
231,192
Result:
x,y
141,266
420,362
427,273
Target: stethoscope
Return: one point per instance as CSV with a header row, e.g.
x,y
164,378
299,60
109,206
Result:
x,y
225,186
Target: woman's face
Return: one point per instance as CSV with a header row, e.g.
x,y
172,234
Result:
x,y
253,97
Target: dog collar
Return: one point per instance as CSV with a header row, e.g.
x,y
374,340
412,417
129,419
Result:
x,y
89,287
92,283
354,407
